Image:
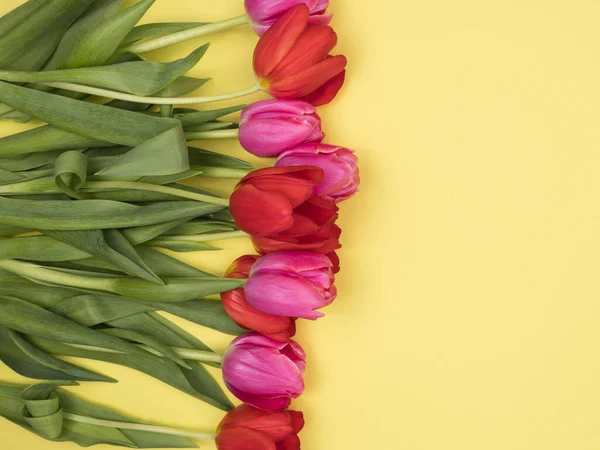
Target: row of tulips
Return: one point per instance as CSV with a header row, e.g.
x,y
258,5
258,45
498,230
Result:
x,y
290,212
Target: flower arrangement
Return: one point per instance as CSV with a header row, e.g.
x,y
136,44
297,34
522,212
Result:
x,y
87,199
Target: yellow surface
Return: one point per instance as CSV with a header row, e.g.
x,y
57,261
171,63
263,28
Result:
x,y
469,297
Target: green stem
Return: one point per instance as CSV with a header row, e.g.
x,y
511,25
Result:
x,y
136,427
222,172
155,188
213,134
181,36
183,353
209,237
153,100
28,270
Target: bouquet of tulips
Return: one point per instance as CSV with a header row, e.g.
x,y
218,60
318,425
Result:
x,y
88,200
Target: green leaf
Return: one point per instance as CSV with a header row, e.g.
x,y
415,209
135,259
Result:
x,y
97,46
25,317
199,158
96,214
181,246
17,399
200,117
157,29
196,227
29,161
196,382
94,121
110,246
34,31
29,361
141,338
164,154
95,15
39,248
142,78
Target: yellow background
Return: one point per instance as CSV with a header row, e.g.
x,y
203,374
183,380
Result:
x,y
469,297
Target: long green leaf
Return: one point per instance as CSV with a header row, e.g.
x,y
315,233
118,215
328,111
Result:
x,y
29,361
28,44
140,78
95,15
98,45
192,382
96,214
24,317
110,246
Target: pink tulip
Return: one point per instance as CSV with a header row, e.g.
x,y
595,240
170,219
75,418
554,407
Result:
x,y
338,163
263,372
271,127
292,284
264,13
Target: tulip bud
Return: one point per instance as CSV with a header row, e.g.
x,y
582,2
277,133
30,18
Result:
x,y
293,283
263,372
264,13
264,429
339,165
237,307
271,127
292,59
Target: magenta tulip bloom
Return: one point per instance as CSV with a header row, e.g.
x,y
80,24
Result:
x,y
339,164
264,13
291,284
271,127
263,372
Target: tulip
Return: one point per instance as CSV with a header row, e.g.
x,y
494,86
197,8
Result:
x,y
293,283
276,206
246,427
271,127
264,13
246,316
292,59
263,372
339,165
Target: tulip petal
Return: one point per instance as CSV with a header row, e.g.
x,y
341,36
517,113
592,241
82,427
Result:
x,y
297,421
282,294
326,93
240,438
260,213
291,107
265,10
279,39
264,403
290,443
308,81
268,137
277,424
294,262
310,48
246,316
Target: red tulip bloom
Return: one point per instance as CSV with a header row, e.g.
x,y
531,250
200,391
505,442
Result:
x,y
245,315
248,428
277,206
292,59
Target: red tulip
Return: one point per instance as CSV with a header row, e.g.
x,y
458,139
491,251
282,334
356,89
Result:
x,y
245,315
246,427
276,206
292,59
